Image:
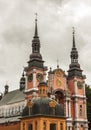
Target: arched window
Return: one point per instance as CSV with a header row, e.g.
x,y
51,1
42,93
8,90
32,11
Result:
x,y
80,110
52,126
68,107
30,127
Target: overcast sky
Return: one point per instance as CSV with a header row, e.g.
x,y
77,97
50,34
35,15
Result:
x,y
55,21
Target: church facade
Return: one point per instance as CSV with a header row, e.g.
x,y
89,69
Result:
x,y
56,103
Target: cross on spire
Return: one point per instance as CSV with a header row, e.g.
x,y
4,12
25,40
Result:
x,y
73,37
36,30
57,63
73,30
36,16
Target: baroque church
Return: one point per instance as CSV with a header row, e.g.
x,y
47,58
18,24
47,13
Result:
x,y
56,103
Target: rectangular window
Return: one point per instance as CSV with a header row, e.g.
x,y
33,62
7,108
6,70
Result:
x,y
80,110
29,126
68,107
52,126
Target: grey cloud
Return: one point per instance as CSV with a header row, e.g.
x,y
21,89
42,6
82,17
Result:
x,y
55,21
17,35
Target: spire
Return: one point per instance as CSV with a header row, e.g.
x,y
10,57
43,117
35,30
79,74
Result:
x,y
73,37
74,67
36,41
36,30
74,52
35,59
23,74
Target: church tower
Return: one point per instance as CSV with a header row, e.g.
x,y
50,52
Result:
x,y
76,84
35,71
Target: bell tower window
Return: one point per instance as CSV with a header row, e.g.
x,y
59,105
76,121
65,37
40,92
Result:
x,y
36,48
80,110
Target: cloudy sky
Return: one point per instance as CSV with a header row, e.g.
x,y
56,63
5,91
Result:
x,y
55,21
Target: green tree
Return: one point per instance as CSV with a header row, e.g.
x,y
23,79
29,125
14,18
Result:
x,y
88,95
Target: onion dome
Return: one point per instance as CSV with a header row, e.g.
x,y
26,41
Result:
x,y
43,105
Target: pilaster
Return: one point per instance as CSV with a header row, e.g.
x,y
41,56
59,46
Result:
x,y
75,86
76,108
34,78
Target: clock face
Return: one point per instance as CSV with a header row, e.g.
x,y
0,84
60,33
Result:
x,y
30,77
58,73
58,83
79,84
39,77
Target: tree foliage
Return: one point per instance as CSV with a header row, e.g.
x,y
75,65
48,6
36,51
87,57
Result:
x,y
88,95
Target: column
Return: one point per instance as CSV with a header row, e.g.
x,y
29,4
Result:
x,y
51,83
70,127
26,81
84,88
69,108
65,84
76,108
33,125
86,127
75,86
47,125
41,124
58,125
21,126
44,76
64,126
34,78
26,126
85,108
66,109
